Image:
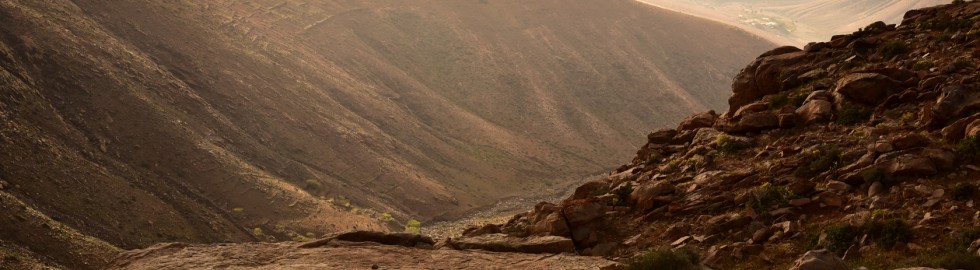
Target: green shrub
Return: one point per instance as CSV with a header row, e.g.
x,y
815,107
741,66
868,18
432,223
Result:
x,y
851,114
781,99
768,196
725,144
968,148
962,63
957,260
839,237
413,226
894,48
822,158
665,259
886,233
622,194
923,65
963,191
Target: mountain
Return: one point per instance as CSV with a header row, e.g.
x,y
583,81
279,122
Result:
x,y
860,152
798,22
139,122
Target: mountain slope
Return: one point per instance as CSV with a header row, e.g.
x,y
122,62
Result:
x,y
145,121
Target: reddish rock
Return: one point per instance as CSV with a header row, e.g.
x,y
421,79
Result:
x,y
702,120
909,141
815,111
867,88
644,196
505,243
661,136
763,76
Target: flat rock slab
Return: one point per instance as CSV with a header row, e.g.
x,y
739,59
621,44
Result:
x,y
290,256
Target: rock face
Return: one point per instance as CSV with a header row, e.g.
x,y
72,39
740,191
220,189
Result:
x,y
363,256
820,260
395,239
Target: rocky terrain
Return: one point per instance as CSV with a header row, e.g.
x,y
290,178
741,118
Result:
x,y
139,122
856,153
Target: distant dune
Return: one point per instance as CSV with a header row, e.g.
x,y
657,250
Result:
x,y
797,22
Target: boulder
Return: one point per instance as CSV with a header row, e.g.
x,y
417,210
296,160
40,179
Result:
x,y
909,141
583,211
505,243
866,88
589,189
701,120
644,196
392,239
910,165
955,102
763,76
481,230
819,260
705,136
552,224
755,107
815,111
661,136
751,122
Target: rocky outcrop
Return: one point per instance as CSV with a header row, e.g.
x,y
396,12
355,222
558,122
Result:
x,y
506,243
394,239
840,142
820,260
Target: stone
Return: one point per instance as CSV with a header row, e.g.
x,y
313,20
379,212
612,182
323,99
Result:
x,y
838,186
485,229
752,122
505,243
701,120
762,77
909,141
954,103
677,230
799,202
661,136
819,260
755,107
868,89
392,239
644,196
589,189
705,136
911,165
552,224
583,212
875,189
815,111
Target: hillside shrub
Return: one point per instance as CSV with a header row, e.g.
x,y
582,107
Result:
x,y
968,148
963,192
622,194
894,48
886,233
665,259
767,197
822,158
725,144
923,65
839,237
851,114
413,226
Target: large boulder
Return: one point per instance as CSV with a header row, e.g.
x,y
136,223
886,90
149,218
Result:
x,y
644,196
661,136
393,239
815,110
956,101
701,120
763,77
866,88
505,243
547,219
751,122
819,260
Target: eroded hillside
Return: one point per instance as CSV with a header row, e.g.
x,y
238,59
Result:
x,y
140,122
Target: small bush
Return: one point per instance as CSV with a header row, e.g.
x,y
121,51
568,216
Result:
x,y
257,231
726,144
821,159
238,210
781,99
923,65
894,48
963,192
962,63
767,196
665,259
968,148
851,114
887,233
839,237
957,260
908,117
622,194
413,226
